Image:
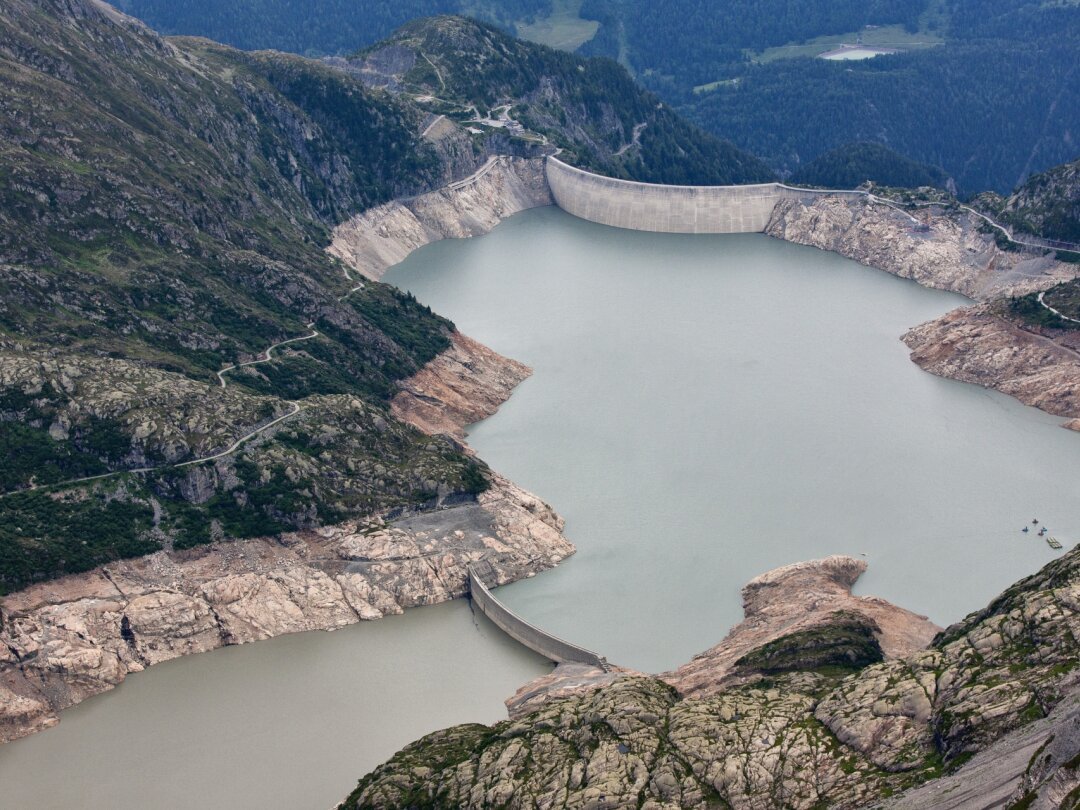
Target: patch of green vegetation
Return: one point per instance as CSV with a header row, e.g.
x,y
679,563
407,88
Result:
x,y
846,643
44,535
563,28
1028,309
1024,802
33,457
853,164
882,36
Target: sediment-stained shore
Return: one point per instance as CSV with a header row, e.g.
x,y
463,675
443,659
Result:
x,y
376,239
975,344
68,639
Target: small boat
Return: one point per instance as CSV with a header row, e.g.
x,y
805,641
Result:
x,y
1053,542
1034,521
1024,529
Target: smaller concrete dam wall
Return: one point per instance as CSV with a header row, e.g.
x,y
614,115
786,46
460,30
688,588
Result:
x,y
670,209
547,645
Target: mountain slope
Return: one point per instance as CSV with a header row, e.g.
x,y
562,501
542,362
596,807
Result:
x,y
314,26
166,295
1048,204
853,164
162,216
591,109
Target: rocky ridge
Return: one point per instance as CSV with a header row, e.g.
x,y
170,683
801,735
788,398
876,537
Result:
x,y
791,736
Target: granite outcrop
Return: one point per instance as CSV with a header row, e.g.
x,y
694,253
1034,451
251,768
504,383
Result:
x,y
977,345
464,384
838,733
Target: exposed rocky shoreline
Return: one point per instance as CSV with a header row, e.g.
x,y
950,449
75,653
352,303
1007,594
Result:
x,y
800,707
955,254
976,344
376,239
68,639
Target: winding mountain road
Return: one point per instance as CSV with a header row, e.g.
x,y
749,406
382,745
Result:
x,y
1056,312
266,354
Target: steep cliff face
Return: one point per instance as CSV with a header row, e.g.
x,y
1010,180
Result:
x,y
955,254
380,237
826,736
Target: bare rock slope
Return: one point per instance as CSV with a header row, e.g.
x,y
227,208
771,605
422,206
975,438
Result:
x,y
464,384
786,734
955,254
977,346
371,242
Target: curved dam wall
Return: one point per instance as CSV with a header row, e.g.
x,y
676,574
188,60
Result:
x,y
670,209
547,645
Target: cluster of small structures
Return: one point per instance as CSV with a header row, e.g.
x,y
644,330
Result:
x,y
1051,541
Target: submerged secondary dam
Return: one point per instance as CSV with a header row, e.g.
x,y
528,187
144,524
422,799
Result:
x,y
537,640
671,209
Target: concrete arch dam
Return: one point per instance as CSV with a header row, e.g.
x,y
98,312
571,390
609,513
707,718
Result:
x,y
670,209
551,647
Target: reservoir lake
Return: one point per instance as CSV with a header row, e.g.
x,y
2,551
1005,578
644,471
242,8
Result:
x,y
703,409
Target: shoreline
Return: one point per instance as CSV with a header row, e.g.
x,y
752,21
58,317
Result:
x,y
68,639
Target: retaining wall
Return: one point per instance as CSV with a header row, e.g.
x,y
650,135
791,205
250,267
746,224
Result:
x,y
670,209
547,645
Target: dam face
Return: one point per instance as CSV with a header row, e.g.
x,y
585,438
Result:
x,y
668,209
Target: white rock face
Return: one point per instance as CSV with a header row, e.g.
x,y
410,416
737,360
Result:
x,y
371,242
955,255
66,640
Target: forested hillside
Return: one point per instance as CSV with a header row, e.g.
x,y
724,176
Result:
x,y
683,43
590,108
1047,205
313,27
853,164
988,91
998,100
